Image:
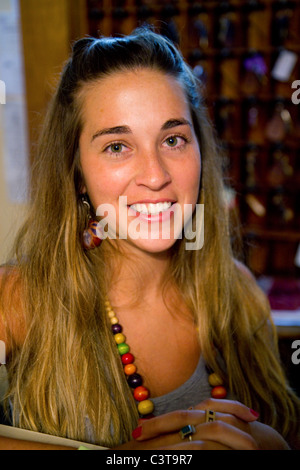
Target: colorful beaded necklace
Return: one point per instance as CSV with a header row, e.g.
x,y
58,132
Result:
x,y
141,394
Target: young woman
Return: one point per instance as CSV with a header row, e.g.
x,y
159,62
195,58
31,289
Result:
x,y
127,141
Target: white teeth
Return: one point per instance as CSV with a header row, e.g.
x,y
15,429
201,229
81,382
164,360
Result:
x,y
152,209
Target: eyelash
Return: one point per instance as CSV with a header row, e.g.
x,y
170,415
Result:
x,y
174,136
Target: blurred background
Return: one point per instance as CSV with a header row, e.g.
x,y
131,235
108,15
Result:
x,y
246,54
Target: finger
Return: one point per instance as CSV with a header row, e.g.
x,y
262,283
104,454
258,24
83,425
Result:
x,y
234,421
196,445
171,423
214,435
226,435
172,441
229,407
168,423
165,444
175,420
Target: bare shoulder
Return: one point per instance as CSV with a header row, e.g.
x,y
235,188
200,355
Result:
x,y
11,311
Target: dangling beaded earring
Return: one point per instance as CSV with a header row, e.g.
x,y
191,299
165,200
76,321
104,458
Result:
x,y
90,238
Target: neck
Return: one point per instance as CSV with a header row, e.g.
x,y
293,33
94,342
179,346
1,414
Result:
x,y
136,276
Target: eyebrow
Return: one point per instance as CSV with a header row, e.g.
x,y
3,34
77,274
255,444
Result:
x,y
174,123
112,130
126,130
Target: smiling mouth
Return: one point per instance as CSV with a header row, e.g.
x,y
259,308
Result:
x,y
151,208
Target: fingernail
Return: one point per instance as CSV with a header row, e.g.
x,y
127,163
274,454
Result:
x,y
254,413
137,432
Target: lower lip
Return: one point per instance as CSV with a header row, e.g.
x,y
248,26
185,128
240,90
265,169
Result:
x,y
160,217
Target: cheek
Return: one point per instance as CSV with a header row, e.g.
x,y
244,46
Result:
x,y
104,185
190,179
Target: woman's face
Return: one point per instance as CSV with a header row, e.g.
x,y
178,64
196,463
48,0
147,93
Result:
x,y
139,156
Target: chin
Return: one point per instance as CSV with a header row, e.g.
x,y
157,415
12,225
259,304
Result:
x,y
153,246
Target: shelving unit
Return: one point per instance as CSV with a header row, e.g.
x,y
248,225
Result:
x,y
233,47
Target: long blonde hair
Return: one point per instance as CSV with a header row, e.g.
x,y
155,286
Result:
x,y
66,377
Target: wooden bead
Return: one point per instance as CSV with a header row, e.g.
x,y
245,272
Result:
x,y
114,320
145,407
123,348
116,328
127,358
135,380
119,338
129,369
219,392
141,393
214,380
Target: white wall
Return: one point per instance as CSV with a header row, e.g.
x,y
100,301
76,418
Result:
x,y
11,213
13,127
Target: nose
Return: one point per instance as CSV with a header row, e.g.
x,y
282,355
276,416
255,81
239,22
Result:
x,y
152,171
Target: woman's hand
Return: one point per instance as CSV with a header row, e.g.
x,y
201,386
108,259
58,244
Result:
x,y
235,427
230,430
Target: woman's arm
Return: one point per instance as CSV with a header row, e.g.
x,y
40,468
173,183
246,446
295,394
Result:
x,y
12,438
12,322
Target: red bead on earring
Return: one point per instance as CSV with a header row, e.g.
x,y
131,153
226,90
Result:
x,y
90,236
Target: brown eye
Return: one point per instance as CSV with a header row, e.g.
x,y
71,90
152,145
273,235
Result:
x,y
116,148
172,141
176,142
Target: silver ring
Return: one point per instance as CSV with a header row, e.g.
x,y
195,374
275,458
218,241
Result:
x,y
187,431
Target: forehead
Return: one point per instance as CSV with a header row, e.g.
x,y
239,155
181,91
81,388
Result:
x,y
125,93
